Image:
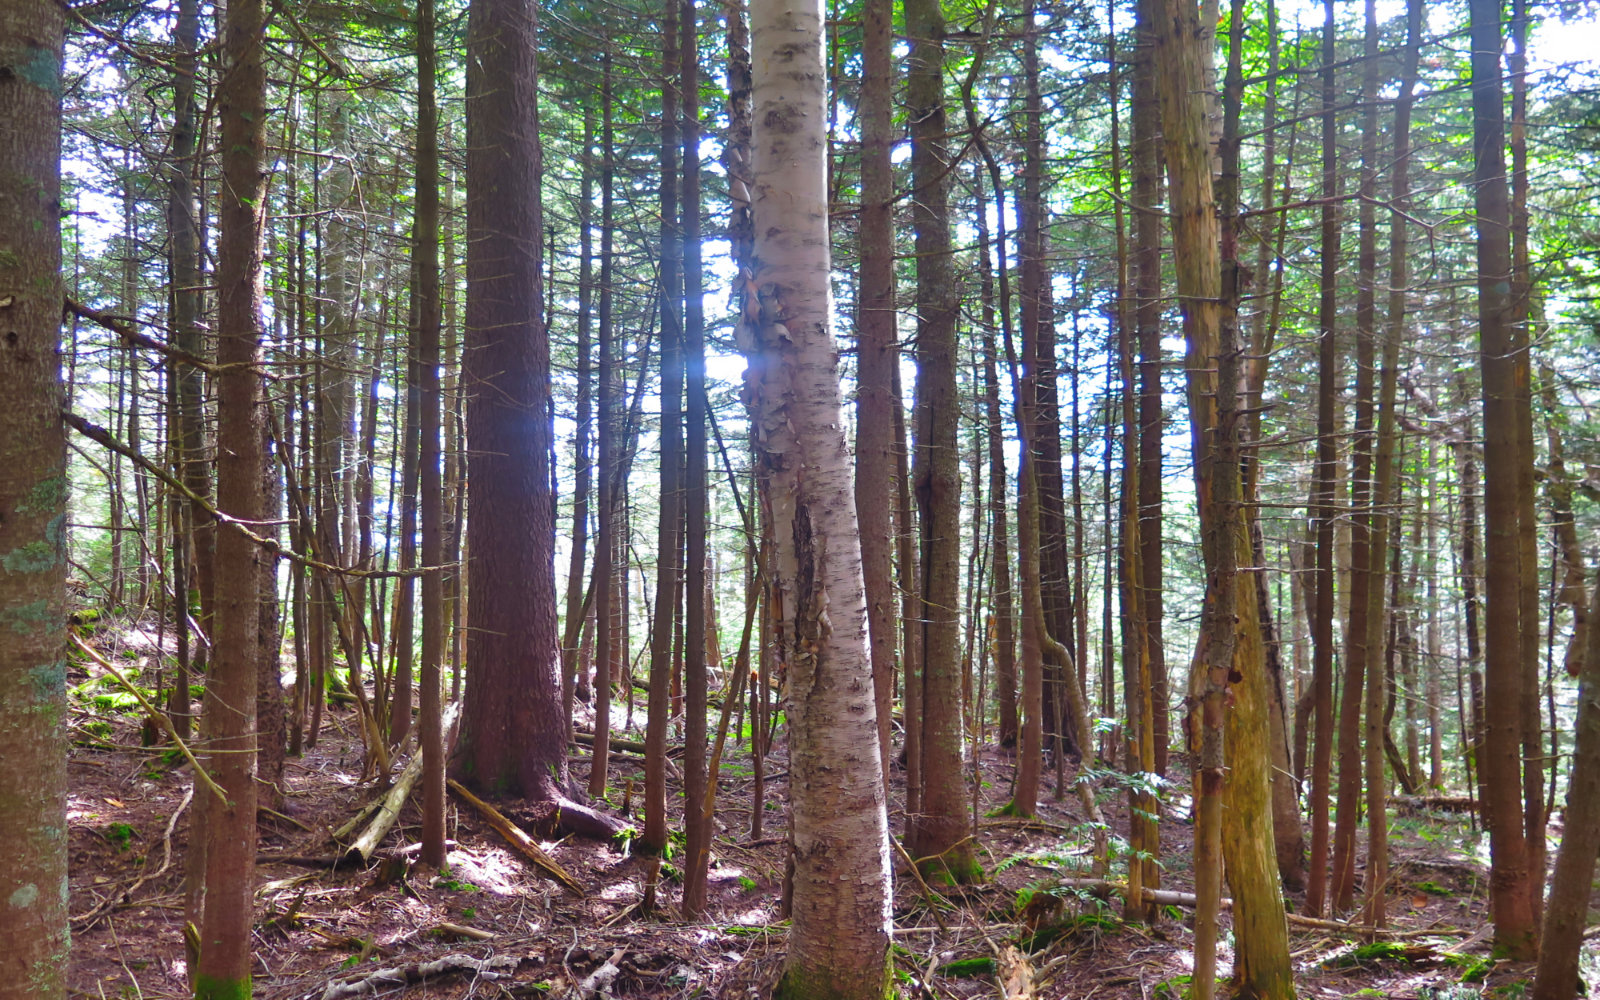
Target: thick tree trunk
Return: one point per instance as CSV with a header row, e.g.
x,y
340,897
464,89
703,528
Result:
x,y
512,731
33,496
839,939
1229,665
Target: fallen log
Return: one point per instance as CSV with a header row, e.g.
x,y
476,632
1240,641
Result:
x,y
1169,897
384,979
523,843
1443,803
390,805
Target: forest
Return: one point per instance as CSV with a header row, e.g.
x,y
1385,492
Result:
x,y
848,499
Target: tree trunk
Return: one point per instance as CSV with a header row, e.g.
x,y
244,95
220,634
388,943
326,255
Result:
x,y
1511,881
876,356
223,968
669,532
1229,664
1323,511
425,249
698,624
839,939
938,829
512,731
1567,911
33,496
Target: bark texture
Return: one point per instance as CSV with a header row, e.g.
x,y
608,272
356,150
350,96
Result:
x,y
223,969
33,495
839,940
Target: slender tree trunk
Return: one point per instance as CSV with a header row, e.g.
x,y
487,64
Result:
x,y
699,626
1512,882
583,475
33,496
938,830
1323,488
223,968
198,539
1145,150
839,939
1566,913
876,355
669,535
425,248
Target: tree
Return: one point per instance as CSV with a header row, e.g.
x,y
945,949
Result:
x,y
33,496
1561,944
937,829
1511,883
223,969
513,736
425,247
839,939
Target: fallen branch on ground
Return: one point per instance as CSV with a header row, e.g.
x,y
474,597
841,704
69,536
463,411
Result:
x,y
372,982
521,841
1168,897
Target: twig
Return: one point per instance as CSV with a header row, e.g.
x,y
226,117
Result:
x,y
927,893
200,773
87,920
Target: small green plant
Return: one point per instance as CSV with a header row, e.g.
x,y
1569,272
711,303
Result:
x,y
1372,953
1367,991
447,880
469,913
1433,889
1176,988
968,968
121,835
1473,969
747,883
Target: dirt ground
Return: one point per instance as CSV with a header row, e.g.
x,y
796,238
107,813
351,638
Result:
x,y
492,926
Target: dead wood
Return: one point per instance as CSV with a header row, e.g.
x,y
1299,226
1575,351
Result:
x,y
399,975
523,843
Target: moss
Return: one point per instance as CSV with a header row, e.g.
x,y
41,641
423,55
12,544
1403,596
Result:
x,y
46,495
968,968
221,988
34,557
799,983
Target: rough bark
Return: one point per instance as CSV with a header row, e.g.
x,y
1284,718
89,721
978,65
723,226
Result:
x,y
33,495
223,969
512,731
1511,881
1229,665
937,831
876,356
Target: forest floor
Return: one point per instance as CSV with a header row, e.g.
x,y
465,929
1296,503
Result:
x,y
492,926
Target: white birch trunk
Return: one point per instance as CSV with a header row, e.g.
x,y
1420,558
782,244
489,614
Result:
x,y
839,941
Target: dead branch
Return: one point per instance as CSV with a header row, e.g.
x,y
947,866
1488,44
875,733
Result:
x,y
399,975
523,843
